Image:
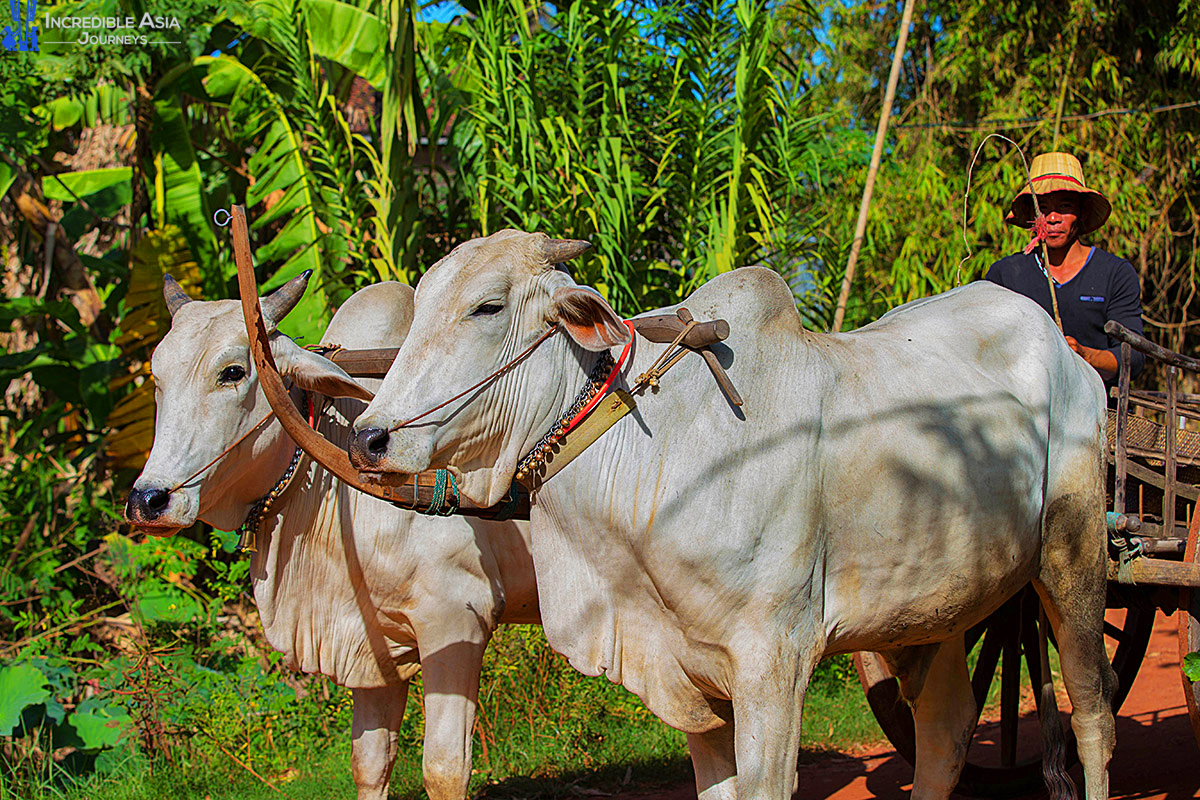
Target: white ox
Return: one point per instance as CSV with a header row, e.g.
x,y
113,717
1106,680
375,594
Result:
x,y
884,490
346,585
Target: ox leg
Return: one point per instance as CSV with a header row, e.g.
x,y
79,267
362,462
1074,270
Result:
x,y
944,716
1090,682
1072,586
714,762
451,681
768,706
377,717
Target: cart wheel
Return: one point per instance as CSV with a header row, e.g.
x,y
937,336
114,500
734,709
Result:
x,y
1189,629
999,644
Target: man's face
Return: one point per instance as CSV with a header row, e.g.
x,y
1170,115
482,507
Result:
x,y
1062,216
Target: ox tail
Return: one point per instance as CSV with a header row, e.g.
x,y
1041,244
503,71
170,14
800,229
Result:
x,y
1054,741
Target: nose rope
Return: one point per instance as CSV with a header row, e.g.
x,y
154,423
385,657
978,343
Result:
x,y
222,454
517,360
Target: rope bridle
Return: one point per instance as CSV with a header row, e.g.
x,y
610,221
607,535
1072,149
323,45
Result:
x,y
261,424
512,363
258,511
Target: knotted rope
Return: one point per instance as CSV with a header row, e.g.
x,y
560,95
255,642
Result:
x,y
438,507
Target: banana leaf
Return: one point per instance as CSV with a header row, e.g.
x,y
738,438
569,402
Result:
x,y
179,196
66,186
350,36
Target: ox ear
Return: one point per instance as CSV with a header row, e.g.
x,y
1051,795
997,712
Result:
x,y
315,373
588,319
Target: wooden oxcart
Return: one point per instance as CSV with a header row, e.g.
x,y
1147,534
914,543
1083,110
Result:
x,y
1153,486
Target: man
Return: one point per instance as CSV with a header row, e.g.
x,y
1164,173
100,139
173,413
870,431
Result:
x,y
1092,286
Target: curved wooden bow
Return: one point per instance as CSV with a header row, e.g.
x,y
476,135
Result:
x,y
416,493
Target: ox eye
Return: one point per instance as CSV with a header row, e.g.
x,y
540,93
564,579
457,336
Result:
x,y
232,374
487,310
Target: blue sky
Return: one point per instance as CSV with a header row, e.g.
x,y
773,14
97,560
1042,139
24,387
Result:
x,y
439,11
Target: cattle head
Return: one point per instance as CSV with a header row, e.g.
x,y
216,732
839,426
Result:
x,y
207,398
474,311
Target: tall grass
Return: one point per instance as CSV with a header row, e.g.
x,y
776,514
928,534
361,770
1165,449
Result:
x,y
673,136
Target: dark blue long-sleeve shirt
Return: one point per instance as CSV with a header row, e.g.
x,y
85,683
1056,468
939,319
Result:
x,y
1106,288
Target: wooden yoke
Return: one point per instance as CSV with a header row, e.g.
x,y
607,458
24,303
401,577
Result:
x,y
417,493
660,328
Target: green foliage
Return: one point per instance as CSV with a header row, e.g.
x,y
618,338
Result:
x,y
21,686
1011,68
1191,666
536,714
670,136
98,724
73,366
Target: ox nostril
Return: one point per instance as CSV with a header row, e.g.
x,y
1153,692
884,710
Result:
x,y
157,500
147,504
368,447
377,441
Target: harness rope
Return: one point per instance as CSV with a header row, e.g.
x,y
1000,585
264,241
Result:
x,y
517,360
663,363
223,453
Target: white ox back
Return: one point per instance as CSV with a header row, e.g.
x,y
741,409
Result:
x,y
879,490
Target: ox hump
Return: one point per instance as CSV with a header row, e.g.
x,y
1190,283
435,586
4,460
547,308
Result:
x,y
376,316
751,299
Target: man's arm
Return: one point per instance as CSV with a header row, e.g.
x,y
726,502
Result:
x,y
1125,307
1103,361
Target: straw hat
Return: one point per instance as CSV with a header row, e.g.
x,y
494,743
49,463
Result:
x,y
1057,172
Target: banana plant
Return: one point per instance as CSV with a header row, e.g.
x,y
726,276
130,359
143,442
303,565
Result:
x,y
320,195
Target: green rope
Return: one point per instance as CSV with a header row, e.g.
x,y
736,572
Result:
x,y
453,507
437,504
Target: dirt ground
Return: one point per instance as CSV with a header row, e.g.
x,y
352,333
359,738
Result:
x,y
1156,756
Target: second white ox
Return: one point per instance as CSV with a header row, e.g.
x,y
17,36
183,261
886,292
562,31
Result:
x,y
346,585
884,490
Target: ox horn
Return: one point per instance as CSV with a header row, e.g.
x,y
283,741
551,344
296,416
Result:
x,y
280,302
556,251
174,294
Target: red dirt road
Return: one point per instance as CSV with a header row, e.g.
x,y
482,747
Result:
x,y
1156,756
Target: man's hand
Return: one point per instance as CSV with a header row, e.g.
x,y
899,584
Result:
x,y
1103,361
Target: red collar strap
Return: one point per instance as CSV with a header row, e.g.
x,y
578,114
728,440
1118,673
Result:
x,y
604,387
594,391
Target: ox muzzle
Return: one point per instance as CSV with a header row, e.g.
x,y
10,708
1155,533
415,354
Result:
x,y
368,448
148,508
